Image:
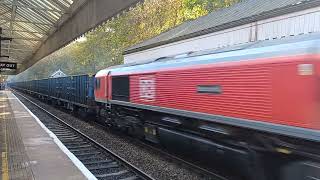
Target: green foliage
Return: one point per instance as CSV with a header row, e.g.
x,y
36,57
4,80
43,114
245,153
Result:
x,y
104,46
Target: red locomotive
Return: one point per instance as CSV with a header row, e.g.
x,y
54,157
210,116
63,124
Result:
x,y
238,105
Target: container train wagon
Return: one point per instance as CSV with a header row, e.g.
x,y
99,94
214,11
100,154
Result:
x,y
252,109
73,92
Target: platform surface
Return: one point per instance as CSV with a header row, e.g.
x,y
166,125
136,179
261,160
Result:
x,y
27,150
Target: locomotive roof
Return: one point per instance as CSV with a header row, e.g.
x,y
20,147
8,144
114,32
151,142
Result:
x,y
294,45
245,12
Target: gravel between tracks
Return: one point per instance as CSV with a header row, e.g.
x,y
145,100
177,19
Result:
x,y
147,160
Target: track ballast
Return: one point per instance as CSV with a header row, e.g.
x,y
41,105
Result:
x,y
100,161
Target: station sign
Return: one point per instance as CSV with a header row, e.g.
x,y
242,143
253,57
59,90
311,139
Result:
x,y
8,65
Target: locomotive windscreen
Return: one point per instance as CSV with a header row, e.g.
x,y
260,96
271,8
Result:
x,y
120,88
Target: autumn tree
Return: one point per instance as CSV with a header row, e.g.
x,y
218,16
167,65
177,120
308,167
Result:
x,y
104,46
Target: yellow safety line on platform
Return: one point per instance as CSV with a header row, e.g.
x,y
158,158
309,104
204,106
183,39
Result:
x,y
5,168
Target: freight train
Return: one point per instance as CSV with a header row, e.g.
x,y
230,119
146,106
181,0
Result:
x,y
253,109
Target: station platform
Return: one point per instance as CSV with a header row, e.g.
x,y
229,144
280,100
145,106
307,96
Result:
x,y
27,150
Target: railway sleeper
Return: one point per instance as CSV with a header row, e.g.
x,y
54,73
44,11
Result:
x,y
90,149
63,131
70,139
119,173
66,136
103,166
80,154
89,159
98,162
75,143
70,147
130,178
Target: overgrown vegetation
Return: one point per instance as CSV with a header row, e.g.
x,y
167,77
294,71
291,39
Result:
x,y
104,46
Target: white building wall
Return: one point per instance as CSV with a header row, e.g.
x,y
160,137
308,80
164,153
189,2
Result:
x,y
303,22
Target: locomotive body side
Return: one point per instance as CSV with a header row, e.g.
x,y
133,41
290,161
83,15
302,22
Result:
x,y
275,84
236,108
280,90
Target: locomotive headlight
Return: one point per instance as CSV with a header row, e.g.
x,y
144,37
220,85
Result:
x,y
283,151
305,69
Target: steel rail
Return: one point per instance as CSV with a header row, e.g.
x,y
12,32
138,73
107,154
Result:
x,y
194,167
124,162
168,155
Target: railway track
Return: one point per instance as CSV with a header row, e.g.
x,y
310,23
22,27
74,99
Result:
x,y
207,174
100,161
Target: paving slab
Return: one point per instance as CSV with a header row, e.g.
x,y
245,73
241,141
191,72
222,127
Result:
x,y
27,150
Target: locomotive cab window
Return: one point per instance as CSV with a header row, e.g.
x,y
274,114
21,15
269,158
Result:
x,y
120,88
97,83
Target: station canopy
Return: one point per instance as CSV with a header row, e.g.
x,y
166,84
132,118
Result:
x,y
29,23
40,27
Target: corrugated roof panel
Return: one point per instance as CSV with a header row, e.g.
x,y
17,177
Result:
x,y
53,6
54,15
2,22
25,27
4,9
29,35
32,16
7,1
6,16
5,25
66,3
32,22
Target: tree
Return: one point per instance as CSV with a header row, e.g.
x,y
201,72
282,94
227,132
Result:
x,y
104,46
